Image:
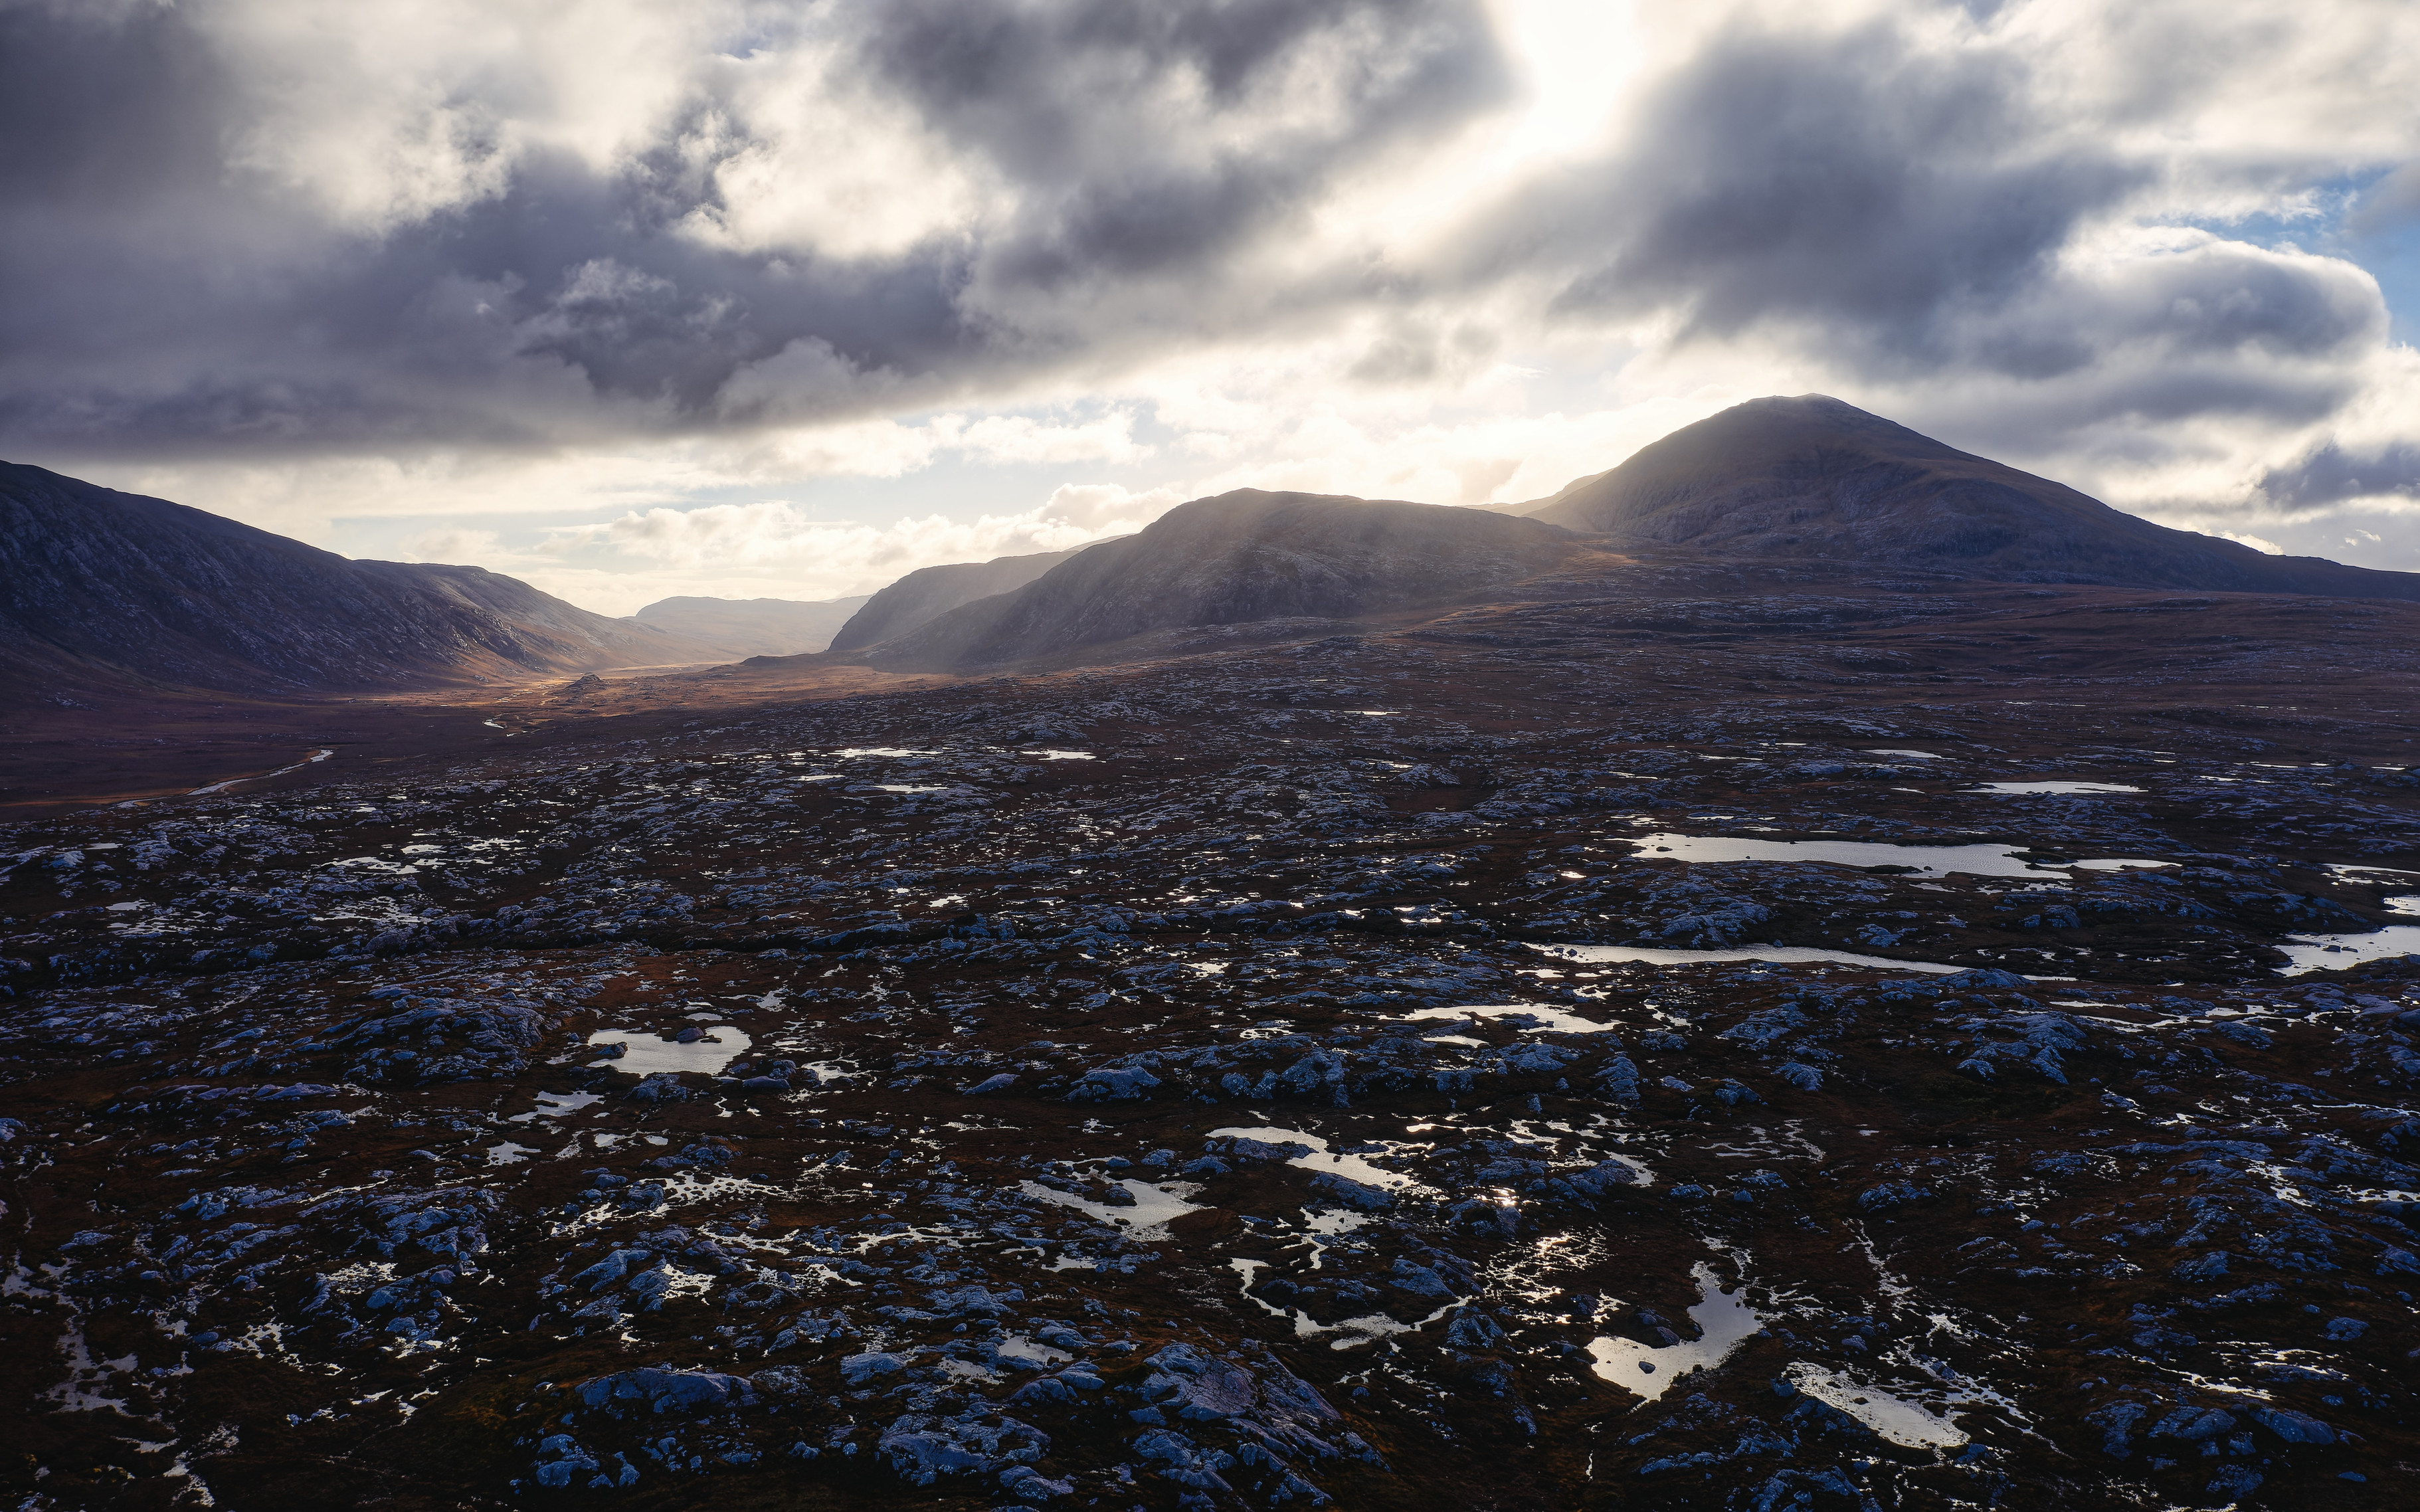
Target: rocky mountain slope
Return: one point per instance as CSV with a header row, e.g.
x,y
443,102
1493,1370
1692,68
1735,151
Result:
x,y
1238,557
930,592
754,626
103,586
1813,478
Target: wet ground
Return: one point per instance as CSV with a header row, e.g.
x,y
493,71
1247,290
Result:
x,y
1667,1060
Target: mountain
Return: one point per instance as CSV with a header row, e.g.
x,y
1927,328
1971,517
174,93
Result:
x,y
930,592
1238,557
1813,478
101,586
754,626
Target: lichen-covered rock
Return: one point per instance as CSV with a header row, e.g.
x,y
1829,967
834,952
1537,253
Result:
x,y
921,1448
1113,1083
1356,1194
1890,1195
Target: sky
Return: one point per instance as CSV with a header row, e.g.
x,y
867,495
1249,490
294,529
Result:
x,y
772,298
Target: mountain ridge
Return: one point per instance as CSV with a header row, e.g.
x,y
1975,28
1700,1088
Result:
x,y
1242,556
103,585
1814,477
929,592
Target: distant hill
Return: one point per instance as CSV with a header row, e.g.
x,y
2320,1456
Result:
x,y
930,592
98,586
754,626
1813,478
1236,558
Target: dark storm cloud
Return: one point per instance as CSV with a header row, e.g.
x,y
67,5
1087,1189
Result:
x,y
1059,99
161,294
1850,179
1898,209
97,109
2331,473
1905,212
561,305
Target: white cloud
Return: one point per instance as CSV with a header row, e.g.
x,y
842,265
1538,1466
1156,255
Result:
x,y
806,155
772,549
388,113
457,547
1108,508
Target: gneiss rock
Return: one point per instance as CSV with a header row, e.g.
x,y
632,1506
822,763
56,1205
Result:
x,y
666,1392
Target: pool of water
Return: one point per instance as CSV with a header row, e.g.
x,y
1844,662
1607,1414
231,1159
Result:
x,y
649,1053
556,1105
2010,790
1024,1352
1780,955
1352,1167
1351,1331
1560,1020
1723,1319
1969,860
1153,1205
1909,1425
2385,876
2333,952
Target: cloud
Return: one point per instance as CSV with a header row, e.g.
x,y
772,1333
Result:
x,y
297,225
2389,203
777,538
319,263
1108,508
1869,179
456,546
2331,473
774,549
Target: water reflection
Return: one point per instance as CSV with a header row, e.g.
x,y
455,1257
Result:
x,y
1969,860
647,1053
1723,1319
2333,952
1909,1425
